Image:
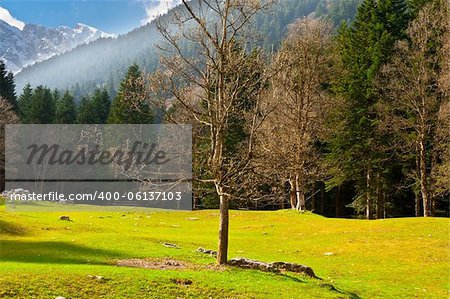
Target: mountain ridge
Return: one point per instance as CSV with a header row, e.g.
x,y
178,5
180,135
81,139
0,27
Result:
x,y
103,63
21,46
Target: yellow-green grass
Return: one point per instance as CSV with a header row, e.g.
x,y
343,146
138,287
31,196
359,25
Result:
x,y
43,257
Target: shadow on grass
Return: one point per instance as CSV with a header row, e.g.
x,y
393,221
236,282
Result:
x,y
327,286
332,288
9,229
54,253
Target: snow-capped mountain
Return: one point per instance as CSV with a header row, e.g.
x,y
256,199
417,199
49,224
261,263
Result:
x,y
24,44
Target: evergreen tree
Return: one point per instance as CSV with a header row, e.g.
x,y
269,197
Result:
x,y
130,105
94,110
24,103
56,95
101,104
86,113
66,109
7,86
42,107
364,47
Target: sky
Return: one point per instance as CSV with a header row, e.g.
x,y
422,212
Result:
x,y
111,16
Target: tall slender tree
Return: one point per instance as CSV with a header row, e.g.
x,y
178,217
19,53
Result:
x,y
364,48
416,103
7,85
209,86
131,106
66,109
24,103
298,90
101,105
42,107
7,116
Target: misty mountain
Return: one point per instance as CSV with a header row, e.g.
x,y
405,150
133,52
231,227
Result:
x,y
24,45
105,61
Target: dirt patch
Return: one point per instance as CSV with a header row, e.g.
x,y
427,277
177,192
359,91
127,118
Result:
x,y
166,264
183,282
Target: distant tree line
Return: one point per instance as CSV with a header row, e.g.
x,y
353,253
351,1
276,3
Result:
x,y
41,105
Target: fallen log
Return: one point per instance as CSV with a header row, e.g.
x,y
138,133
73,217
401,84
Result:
x,y
275,267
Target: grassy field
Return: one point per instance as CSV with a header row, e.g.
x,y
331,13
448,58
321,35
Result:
x,y
43,257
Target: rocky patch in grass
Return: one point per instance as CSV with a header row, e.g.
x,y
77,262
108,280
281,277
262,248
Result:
x,y
167,264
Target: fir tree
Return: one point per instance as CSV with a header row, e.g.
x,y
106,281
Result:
x,y
24,103
42,107
364,48
130,105
65,109
94,110
86,113
101,105
7,85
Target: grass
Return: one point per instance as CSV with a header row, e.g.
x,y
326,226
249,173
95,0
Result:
x,y
43,257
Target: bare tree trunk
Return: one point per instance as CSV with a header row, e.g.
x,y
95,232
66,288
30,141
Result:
x,y
379,203
313,201
338,204
417,193
417,204
293,194
424,179
432,184
301,201
433,206
322,198
300,195
222,255
368,193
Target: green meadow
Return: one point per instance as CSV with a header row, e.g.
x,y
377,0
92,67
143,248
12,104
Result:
x,y
44,257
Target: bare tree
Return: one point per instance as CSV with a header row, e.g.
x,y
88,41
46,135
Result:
x,y
213,84
7,116
288,144
441,173
415,99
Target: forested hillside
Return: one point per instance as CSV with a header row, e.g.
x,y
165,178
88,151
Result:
x,y
345,122
104,63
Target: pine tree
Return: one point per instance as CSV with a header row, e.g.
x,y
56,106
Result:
x,y
56,95
130,105
364,48
42,107
7,85
24,103
66,109
101,104
94,110
86,113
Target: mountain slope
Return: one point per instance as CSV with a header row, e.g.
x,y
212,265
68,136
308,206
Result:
x,y
24,44
104,62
